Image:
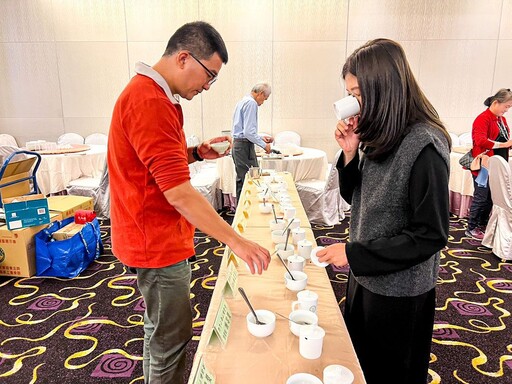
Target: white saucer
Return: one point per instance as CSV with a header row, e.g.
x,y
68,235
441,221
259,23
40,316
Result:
x,y
314,259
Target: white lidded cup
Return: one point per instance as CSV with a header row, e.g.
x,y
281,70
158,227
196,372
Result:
x,y
337,374
311,341
346,107
307,300
304,248
289,212
296,263
298,234
294,224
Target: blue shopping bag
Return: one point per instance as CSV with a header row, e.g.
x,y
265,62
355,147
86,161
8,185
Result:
x,y
67,258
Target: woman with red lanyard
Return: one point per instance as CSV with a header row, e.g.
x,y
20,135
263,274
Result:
x,y
491,135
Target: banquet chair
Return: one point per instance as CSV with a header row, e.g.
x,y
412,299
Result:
x,y
96,187
6,139
465,139
455,139
321,198
207,182
96,139
287,137
70,138
498,234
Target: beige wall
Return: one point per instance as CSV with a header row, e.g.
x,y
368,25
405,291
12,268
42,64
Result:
x,y
64,62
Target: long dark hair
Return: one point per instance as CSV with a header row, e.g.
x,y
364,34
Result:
x,y
391,97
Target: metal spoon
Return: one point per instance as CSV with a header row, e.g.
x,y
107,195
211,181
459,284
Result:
x,y
290,223
242,292
293,321
287,270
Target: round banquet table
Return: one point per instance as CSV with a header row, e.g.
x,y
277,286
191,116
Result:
x,y
311,164
57,170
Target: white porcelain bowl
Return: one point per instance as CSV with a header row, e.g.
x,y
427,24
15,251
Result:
x,y
285,253
301,316
303,378
280,225
262,330
220,147
278,236
300,282
265,208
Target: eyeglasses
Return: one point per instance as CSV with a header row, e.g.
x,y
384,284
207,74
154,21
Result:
x,y
210,73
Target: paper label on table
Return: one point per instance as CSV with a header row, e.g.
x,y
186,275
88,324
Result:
x,y
222,324
233,259
203,375
231,280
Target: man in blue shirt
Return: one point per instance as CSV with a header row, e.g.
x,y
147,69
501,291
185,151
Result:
x,y
245,132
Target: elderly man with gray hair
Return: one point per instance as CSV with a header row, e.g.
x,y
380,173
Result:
x,y
245,132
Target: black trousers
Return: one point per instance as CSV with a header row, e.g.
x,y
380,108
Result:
x,y
481,206
391,335
244,156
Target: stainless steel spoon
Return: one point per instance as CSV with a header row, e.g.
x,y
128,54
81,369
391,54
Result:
x,y
293,321
242,292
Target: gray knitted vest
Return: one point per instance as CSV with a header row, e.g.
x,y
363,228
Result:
x,y
380,208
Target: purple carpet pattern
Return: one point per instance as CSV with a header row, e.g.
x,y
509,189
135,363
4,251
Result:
x,y
89,329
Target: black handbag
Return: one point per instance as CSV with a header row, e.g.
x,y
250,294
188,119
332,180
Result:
x,y
468,162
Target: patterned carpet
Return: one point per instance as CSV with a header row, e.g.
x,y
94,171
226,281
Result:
x,y
89,329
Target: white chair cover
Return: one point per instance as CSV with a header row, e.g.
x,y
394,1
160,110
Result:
x,y
321,199
70,138
455,139
6,150
6,139
465,139
206,182
95,187
287,137
498,234
96,138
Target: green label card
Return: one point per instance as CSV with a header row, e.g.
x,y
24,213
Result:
x,y
222,323
231,280
203,375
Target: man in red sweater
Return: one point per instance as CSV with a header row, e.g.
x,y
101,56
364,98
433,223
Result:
x,y
154,208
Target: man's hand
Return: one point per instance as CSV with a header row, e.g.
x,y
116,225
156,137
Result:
x,y
267,148
256,257
207,152
268,139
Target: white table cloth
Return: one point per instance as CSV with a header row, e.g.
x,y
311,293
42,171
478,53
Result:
x,y
311,164
56,171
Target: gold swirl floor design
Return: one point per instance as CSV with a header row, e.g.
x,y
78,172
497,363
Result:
x,y
89,329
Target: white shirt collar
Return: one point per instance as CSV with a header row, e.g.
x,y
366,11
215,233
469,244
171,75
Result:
x,y
144,69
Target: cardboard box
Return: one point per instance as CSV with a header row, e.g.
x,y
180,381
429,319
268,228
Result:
x,y
26,211
16,170
18,250
68,231
66,205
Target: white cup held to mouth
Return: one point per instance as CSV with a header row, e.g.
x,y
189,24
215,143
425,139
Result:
x,y
311,341
307,300
337,374
346,107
